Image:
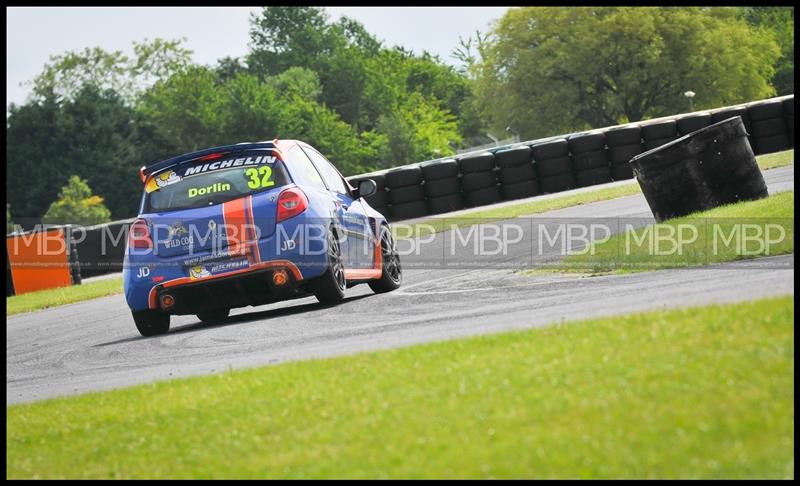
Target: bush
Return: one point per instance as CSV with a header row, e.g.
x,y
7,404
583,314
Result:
x,y
77,205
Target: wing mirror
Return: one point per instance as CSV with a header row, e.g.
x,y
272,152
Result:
x,y
367,187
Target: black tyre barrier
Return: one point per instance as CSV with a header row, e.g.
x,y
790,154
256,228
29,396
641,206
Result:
x,y
624,153
520,173
414,209
442,187
692,123
660,130
553,167
379,179
593,177
74,262
788,105
709,168
730,112
380,198
624,135
550,150
764,110
513,157
439,170
9,280
790,129
404,176
768,145
788,111
621,172
558,183
769,127
444,204
474,181
481,162
406,194
520,190
586,142
384,210
589,160
651,144
101,249
483,197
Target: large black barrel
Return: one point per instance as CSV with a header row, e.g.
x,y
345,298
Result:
x,y
701,170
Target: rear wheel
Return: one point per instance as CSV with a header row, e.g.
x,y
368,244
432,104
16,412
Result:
x,y
214,316
151,323
329,287
391,271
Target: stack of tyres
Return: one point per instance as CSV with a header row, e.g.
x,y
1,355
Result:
x,y
478,180
658,133
406,195
380,200
693,122
553,166
730,112
442,186
516,173
768,126
589,158
788,112
624,143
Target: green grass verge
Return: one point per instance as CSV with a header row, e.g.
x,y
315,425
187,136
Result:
x,y
714,236
703,392
42,299
438,224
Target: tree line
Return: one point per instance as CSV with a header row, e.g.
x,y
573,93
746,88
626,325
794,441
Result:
x,y
540,71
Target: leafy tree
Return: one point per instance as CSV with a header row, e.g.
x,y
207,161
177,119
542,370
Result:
x,y
780,22
553,69
77,205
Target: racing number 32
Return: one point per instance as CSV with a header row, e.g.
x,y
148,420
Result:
x,y
259,177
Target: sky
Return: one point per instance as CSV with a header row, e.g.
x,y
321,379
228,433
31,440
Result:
x,y
33,34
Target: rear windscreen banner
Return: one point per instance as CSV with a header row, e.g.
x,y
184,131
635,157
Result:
x,y
168,177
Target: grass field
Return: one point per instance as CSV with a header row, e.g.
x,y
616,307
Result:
x,y
43,299
694,393
636,250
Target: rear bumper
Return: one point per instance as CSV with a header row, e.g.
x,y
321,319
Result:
x,y
251,286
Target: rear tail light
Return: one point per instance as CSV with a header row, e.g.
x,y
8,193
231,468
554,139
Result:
x,y
291,202
139,235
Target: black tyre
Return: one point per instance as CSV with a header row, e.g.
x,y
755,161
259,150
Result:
x,y
593,177
445,204
624,153
443,169
513,157
151,323
620,172
550,150
558,183
790,129
391,270
625,135
769,128
379,179
553,167
329,287
404,176
401,195
725,113
768,145
586,142
589,160
474,181
483,197
520,173
692,123
651,144
384,210
764,110
442,187
214,316
520,190
409,210
660,130
481,162
380,198
788,106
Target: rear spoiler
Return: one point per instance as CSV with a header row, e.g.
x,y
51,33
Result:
x,y
182,159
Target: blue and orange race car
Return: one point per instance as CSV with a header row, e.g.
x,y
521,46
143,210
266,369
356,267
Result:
x,y
250,224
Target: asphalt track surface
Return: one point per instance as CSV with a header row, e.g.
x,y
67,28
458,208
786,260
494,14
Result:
x,y
94,345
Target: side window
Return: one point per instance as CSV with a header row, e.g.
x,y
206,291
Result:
x,y
302,170
328,171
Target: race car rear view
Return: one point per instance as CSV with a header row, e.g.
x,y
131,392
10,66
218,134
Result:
x,y
250,224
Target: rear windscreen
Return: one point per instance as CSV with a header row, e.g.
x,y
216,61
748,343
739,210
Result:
x,y
213,182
